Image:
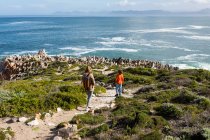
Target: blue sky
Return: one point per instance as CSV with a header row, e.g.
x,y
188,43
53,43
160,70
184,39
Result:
x,y
28,7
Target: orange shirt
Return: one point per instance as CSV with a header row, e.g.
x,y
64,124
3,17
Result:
x,y
119,79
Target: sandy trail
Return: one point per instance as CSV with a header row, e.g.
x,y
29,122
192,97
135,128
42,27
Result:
x,y
43,130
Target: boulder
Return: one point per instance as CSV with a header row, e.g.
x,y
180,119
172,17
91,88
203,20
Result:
x,y
22,119
57,138
68,132
12,120
35,122
59,109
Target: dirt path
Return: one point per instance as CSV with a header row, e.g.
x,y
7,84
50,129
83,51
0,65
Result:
x,y
43,130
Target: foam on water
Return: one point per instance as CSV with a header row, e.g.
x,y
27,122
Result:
x,y
48,44
83,50
205,38
20,53
196,65
178,30
193,57
163,44
198,27
183,66
116,41
24,22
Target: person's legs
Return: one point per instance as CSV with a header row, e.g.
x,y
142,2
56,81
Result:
x,y
117,89
89,95
120,90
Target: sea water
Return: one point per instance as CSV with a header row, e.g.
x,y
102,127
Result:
x,y
179,41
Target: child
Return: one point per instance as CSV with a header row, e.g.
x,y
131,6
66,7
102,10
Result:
x,y
119,81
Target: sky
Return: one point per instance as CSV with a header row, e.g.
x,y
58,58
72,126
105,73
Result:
x,y
43,7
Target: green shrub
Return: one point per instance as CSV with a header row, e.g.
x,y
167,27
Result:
x,y
163,96
169,111
88,119
4,132
34,103
156,135
99,89
203,103
143,120
64,100
98,130
125,107
142,71
185,97
136,79
206,133
159,122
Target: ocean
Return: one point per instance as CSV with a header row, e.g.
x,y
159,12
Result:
x,y
179,41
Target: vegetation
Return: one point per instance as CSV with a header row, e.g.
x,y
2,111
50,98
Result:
x,y
168,104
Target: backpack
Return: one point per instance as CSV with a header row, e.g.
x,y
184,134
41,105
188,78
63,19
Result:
x,y
86,81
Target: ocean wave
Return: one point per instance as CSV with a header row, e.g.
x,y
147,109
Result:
x,y
116,41
202,65
179,30
193,57
83,50
195,65
206,38
24,22
48,44
20,53
183,66
162,44
198,27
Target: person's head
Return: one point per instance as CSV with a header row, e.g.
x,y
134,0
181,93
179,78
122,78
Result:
x,y
88,69
120,72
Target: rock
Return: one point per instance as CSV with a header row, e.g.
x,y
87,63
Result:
x,y
5,120
76,137
22,119
65,133
68,132
51,124
109,87
74,128
112,105
57,138
38,116
33,123
12,120
59,109
47,115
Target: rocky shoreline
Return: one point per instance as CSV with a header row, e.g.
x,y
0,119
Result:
x,y
16,67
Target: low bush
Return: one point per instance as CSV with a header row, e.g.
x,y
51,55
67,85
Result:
x,y
5,132
168,111
142,71
185,97
156,135
162,96
88,119
98,130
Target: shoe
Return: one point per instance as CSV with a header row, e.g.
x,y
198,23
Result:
x,y
116,95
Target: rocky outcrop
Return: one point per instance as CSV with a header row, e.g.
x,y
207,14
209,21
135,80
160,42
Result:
x,y
16,67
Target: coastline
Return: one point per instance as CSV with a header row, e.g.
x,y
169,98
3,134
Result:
x,y
16,67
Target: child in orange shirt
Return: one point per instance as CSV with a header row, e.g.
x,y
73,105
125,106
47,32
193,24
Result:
x,y
119,81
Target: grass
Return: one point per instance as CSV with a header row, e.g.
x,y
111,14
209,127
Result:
x,y
172,104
